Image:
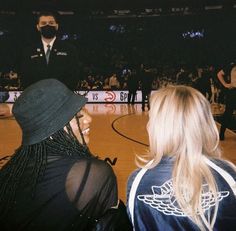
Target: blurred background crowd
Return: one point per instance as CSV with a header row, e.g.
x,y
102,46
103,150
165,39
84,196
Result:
x,y
176,49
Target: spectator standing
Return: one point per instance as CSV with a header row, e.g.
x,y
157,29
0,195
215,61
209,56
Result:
x,y
227,77
146,79
132,84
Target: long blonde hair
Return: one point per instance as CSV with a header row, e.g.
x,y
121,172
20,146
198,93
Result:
x,y
181,125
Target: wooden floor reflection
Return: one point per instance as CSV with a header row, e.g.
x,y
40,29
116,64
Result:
x,y
118,132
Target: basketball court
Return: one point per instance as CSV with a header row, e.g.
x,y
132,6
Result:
x,y
117,134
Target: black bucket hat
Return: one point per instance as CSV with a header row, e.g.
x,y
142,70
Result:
x,y
44,108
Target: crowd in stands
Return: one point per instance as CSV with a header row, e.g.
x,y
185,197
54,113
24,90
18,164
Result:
x,y
204,79
110,49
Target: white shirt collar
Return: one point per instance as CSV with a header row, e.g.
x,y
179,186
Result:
x,y
45,44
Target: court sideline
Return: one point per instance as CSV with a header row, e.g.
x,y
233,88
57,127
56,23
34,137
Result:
x,y
117,134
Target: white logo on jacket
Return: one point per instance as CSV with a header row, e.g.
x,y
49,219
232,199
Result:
x,y
163,200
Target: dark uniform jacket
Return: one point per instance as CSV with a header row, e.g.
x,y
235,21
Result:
x,y
63,64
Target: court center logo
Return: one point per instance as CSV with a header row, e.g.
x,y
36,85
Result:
x,y
110,96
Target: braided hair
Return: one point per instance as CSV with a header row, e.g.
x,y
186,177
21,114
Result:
x,y
60,144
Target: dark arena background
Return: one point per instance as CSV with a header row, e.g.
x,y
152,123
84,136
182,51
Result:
x,y
180,41
114,35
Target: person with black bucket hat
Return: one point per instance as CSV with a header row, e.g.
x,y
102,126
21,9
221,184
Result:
x,y
53,182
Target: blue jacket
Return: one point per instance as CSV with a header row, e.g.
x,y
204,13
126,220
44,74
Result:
x,y
155,207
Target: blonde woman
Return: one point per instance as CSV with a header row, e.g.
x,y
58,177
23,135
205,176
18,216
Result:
x,y
183,183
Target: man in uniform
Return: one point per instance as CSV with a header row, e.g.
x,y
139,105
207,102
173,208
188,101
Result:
x,y
227,77
50,57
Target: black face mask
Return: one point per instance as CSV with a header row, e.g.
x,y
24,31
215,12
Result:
x,y
48,31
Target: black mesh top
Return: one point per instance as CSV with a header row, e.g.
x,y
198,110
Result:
x,y
71,195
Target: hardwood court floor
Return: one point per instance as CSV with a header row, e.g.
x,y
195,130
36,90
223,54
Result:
x,y
117,133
